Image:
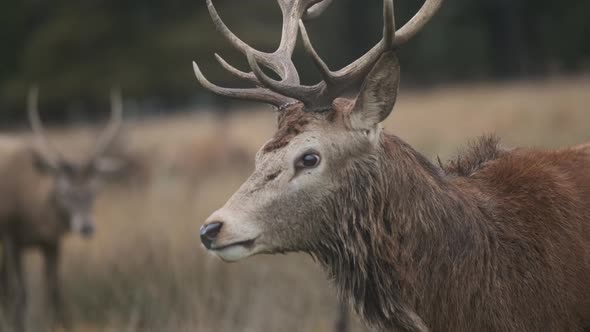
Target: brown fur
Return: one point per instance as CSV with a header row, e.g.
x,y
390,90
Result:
x,y
25,219
498,241
475,157
293,121
31,217
29,194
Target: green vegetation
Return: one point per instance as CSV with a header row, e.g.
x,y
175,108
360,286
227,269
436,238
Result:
x,y
77,50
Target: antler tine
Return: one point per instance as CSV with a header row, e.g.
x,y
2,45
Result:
x,y
358,69
254,94
321,95
391,38
279,61
236,42
316,10
341,79
317,60
298,92
236,72
334,83
109,135
417,22
48,151
293,11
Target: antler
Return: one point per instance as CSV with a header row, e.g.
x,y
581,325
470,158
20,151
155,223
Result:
x,y
49,152
109,135
278,61
316,10
334,83
46,149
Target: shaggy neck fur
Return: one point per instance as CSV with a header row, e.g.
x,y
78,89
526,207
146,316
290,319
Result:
x,y
405,241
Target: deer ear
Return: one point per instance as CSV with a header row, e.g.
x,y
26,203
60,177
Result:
x,y
378,93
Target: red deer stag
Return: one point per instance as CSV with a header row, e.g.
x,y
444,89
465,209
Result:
x,y
45,196
498,240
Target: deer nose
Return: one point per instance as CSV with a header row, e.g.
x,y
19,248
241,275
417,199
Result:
x,y
87,230
209,233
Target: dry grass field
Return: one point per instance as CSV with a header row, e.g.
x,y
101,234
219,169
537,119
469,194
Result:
x,y
145,269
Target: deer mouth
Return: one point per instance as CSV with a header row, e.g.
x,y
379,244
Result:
x,y
248,244
235,251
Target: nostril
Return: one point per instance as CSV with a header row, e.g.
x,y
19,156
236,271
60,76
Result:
x,y
211,230
209,233
87,230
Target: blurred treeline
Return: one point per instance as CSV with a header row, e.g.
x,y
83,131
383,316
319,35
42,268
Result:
x,y
77,50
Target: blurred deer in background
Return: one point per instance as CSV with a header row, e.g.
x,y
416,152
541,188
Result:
x,y
497,240
43,197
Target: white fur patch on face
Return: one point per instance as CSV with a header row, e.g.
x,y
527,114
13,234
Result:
x,y
233,253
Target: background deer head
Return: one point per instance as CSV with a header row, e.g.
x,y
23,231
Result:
x,y
74,183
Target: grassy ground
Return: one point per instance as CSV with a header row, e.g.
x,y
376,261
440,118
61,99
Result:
x,y
145,269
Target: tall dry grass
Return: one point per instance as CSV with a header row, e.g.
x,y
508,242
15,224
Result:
x,y
145,269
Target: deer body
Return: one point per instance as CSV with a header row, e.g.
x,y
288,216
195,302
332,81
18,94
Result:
x,y
503,248
27,211
28,219
44,197
496,240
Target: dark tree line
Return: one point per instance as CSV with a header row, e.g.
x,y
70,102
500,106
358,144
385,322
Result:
x,y
77,50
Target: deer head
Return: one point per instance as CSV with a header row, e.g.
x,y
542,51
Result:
x,y
288,202
75,183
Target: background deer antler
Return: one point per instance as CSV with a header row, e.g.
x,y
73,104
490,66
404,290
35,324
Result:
x,y
49,152
51,155
112,130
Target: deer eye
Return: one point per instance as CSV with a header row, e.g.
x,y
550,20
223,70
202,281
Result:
x,y
309,160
